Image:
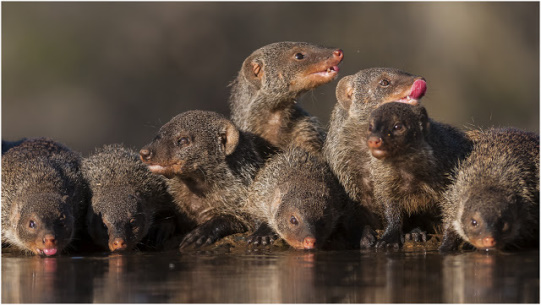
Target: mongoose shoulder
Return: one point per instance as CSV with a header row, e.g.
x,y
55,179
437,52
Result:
x,y
412,159
125,196
271,80
43,196
209,164
357,95
297,197
493,202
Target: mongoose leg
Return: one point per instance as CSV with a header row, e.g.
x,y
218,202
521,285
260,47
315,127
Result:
x,y
264,235
212,230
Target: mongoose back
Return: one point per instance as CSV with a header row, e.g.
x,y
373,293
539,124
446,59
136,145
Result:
x,y
297,197
7,145
43,196
209,164
264,95
125,197
412,159
493,202
357,95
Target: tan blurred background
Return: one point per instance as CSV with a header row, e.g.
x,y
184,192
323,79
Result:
x,y
89,74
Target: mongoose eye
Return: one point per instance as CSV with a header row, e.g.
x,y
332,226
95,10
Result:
x,y
62,217
384,82
32,224
183,141
299,56
293,220
474,222
398,127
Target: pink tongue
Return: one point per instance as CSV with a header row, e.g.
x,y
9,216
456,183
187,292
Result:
x,y
418,89
49,251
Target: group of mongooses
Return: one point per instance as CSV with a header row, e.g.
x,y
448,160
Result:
x,y
273,172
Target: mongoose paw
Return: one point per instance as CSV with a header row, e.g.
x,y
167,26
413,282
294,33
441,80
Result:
x,y
199,236
390,241
450,242
368,238
416,235
263,236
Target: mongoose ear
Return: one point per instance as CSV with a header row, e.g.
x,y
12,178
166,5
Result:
x,y
344,92
276,200
424,122
229,137
253,70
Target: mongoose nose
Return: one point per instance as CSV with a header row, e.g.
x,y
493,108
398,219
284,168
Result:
x,y
489,242
118,244
374,142
338,53
309,242
145,154
49,240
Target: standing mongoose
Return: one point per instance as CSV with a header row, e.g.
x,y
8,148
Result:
x,y
125,196
43,196
271,80
494,199
297,197
345,147
209,164
412,159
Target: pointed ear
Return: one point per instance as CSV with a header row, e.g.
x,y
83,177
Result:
x,y
424,120
276,200
252,69
229,137
344,92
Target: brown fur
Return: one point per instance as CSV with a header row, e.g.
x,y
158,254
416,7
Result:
x,y
345,147
43,196
264,95
412,159
210,164
494,199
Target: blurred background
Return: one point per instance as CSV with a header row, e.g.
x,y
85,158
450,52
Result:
x,y
88,74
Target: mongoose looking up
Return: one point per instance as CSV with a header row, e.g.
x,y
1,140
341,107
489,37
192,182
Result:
x,y
345,148
125,197
43,196
493,202
413,157
210,164
264,95
296,196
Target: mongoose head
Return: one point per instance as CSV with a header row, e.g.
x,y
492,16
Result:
x,y
191,146
45,223
287,69
304,218
396,129
379,85
118,218
489,218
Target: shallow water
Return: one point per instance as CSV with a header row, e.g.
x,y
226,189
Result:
x,y
268,277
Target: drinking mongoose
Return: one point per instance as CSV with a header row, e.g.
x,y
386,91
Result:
x,y
209,164
412,160
493,202
271,80
43,196
125,196
297,197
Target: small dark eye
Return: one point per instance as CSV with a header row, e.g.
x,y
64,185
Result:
x,y
398,126
183,141
384,83
32,224
474,223
370,127
299,56
293,220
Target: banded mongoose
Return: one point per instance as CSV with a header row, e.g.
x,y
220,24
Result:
x,y
297,197
125,196
209,164
44,196
412,160
493,202
265,93
345,147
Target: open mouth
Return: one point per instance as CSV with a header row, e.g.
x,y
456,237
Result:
x,y
168,171
47,252
418,90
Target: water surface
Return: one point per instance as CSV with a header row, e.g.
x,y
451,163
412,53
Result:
x,y
268,277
